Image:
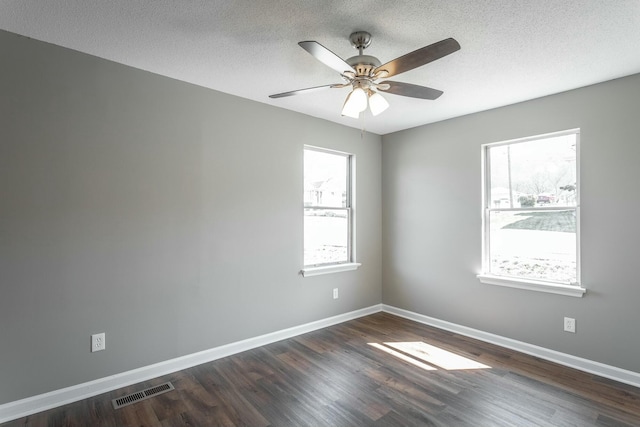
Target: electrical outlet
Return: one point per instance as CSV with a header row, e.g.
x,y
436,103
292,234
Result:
x,y
97,342
335,293
570,325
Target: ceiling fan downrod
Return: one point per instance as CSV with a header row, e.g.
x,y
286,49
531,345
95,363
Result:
x,y
364,65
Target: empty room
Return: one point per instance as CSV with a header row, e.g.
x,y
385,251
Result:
x,y
289,213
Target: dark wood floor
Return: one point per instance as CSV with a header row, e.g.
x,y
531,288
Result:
x,y
335,377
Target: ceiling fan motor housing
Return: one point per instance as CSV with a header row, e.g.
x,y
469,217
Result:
x,y
364,64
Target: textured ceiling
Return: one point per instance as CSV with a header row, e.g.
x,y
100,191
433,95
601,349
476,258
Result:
x,y
512,50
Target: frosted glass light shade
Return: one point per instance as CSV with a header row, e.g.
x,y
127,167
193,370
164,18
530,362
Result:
x,y
377,103
355,103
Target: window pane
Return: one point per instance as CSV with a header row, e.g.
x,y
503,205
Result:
x,y
325,179
534,244
326,234
534,173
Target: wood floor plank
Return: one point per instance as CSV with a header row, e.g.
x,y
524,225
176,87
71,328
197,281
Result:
x,y
379,370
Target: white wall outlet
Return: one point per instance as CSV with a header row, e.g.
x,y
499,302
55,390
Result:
x,y
97,342
335,293
570,325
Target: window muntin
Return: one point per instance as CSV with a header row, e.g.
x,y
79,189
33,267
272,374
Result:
x,y
531,220
327,207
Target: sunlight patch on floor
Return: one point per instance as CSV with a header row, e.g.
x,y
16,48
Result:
x,y
402,356
417,352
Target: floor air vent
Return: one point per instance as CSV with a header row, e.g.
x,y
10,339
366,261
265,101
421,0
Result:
x,y
141,395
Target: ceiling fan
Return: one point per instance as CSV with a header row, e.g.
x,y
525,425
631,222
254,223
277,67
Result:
x,y
362,72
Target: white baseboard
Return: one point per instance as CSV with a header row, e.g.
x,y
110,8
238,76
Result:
x,y
42,402
596,368
31,405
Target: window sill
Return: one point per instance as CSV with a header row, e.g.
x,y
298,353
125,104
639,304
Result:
x,y
533,285
328,269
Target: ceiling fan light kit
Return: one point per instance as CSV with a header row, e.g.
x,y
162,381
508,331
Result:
x,y
377,103
361,73
355,103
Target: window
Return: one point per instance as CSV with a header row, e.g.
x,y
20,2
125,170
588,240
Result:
x,y
328,214
531,213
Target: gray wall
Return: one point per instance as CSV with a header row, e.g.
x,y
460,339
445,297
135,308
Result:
x,y
167,215
432,224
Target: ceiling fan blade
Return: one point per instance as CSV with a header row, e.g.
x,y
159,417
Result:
x,y
413,91
420,57
327,57
304,91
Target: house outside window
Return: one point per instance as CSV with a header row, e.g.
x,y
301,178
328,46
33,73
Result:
x,y
328,216
531,219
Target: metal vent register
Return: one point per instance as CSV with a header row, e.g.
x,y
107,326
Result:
x,y
141,395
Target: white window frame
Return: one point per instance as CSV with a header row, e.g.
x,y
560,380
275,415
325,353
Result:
x,y
568,289
349,264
